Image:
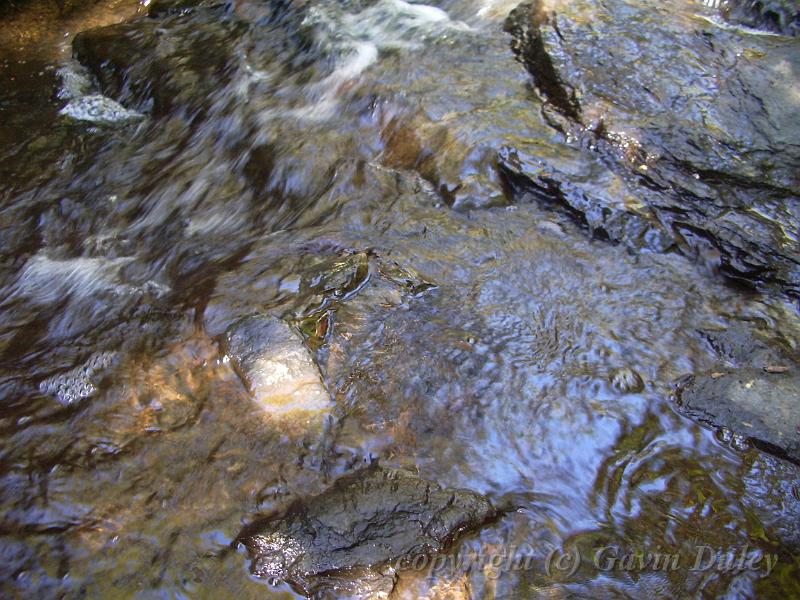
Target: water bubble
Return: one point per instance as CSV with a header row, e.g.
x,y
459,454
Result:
x,y
627,381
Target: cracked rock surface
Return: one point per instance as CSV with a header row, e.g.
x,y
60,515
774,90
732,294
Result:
x,y
658,93
368,523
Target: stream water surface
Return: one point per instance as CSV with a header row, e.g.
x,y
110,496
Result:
x,y
334,164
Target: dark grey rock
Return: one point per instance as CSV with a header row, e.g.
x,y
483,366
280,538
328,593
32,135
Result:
x,y
760,406
777,16
693,117
182,56
362,527
155,65
528,178
741,346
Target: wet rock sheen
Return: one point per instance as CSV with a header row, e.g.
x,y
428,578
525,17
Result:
x,y
777,16
370,518
751,402
275,366
664,108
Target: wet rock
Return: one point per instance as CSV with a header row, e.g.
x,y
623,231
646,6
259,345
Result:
x,y
750,402
350,537
465,177
528,43
530,179
777,16
156,65
693,118
307,281
336,278
635,86
738,346
275,367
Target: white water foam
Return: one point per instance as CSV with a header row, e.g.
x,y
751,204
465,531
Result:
x,y
79,383
356,40
84,104
99,109
719,22
75,81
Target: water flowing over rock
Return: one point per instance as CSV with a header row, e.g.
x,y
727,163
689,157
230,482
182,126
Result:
x,y
665,110
160,8
777,16
375,519
354,232
627,380
99,109
157,65
275,367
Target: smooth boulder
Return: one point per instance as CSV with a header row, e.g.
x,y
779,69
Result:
x,y
276,368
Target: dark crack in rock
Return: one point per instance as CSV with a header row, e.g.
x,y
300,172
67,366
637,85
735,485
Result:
x,y
351,537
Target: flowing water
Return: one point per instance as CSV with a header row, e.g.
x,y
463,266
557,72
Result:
x,y
329,163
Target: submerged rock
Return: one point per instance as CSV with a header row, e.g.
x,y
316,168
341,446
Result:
x,y
156,65
160,8
754,403
693,117
350,538
741,346
276,367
